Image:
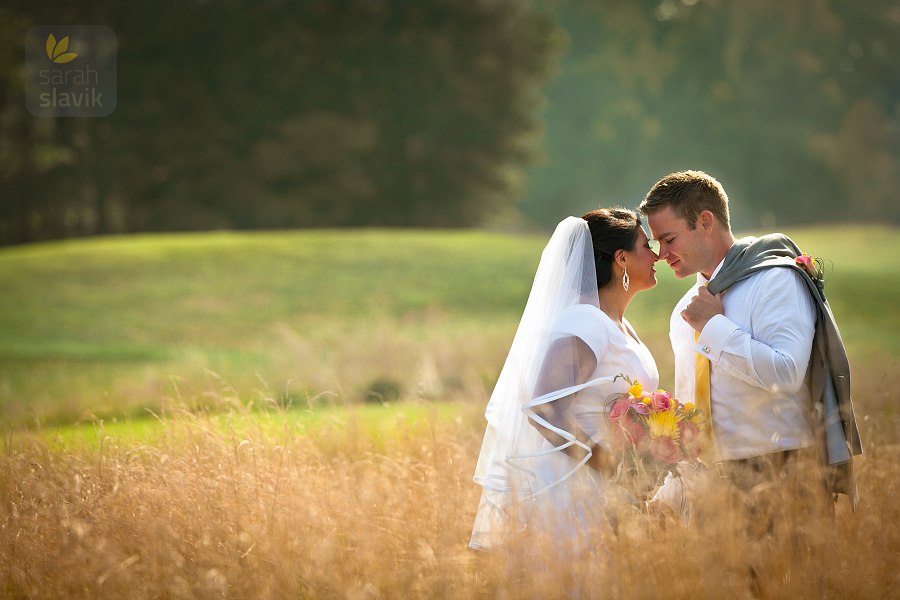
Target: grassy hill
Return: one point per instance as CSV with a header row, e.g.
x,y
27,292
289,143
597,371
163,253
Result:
x,y
114,325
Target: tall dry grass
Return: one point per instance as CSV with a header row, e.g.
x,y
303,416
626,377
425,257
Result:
x,y
207,511
257,514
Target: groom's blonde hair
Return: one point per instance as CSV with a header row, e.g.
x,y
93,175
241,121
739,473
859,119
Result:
x,y
688,193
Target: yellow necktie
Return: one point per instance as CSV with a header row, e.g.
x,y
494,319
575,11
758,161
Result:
x,y
704,402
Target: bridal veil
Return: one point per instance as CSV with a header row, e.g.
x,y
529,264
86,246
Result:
x,y
517,464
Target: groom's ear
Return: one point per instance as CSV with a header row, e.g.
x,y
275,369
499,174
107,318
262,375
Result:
x,y
705,221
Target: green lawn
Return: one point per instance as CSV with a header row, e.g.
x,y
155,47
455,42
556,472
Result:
x,y
374,424
147,297
110,327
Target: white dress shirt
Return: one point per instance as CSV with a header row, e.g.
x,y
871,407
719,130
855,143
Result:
x,y
758,351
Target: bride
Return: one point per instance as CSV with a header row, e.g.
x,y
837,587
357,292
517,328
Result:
x,y
546,456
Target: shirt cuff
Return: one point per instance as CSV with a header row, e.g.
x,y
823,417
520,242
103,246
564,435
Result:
x,y
714,337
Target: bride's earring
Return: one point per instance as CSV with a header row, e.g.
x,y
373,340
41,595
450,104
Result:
x,y
625,279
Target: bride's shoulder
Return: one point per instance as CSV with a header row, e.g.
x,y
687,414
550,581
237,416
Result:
x,y
586,322
581,314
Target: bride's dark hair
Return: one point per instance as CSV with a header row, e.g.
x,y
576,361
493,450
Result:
x,y
611,229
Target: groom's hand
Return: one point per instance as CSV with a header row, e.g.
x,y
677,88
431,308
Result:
x,y
703,307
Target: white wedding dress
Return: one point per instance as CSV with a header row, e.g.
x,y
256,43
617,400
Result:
x,y
616,353
528,482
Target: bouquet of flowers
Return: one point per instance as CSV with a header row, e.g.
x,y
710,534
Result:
x,y
654,431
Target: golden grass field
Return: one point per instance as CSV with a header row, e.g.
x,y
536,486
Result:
x,y
225,507
240,492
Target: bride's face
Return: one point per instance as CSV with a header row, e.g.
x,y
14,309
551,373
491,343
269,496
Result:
x,y
639,262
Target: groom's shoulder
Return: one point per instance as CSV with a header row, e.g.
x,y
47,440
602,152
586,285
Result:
x,y
776,241
768,241
775,236
774,278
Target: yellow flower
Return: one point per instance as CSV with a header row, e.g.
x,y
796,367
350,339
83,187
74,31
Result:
x,y
663,424
636,390
689,406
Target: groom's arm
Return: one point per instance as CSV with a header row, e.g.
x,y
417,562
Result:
x,y
773,356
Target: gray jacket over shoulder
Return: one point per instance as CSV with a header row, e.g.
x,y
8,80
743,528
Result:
x,y
829,368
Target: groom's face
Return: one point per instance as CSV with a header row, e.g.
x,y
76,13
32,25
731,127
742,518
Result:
x,y
683,248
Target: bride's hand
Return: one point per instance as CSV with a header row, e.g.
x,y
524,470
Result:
x,y
660,512
602,461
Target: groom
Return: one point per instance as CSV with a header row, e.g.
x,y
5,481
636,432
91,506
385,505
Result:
x,y
764,353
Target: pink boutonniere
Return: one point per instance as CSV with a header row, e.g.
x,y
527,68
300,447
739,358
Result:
x,y
814,268
808,263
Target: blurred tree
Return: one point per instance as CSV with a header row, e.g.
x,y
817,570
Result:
x,y
235,114
238,114
794,106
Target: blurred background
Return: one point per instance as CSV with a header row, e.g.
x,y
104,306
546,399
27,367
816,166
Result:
x,y
505,114
317,222
340,201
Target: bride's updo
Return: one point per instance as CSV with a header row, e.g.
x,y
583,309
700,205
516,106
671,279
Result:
x,y
611,229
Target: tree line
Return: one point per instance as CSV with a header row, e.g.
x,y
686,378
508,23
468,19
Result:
x,y
243,114
794,106
435,113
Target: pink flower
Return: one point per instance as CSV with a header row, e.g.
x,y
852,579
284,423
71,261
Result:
x,y
640,408
661,401
617,437
809,265
627,433
664,449
619,410
635,432
689,434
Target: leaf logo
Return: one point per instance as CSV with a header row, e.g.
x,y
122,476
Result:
x,y
58,51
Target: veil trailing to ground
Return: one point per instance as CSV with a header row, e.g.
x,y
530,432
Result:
x,y
518,464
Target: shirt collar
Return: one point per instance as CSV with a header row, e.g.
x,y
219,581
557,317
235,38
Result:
x,y
701,280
